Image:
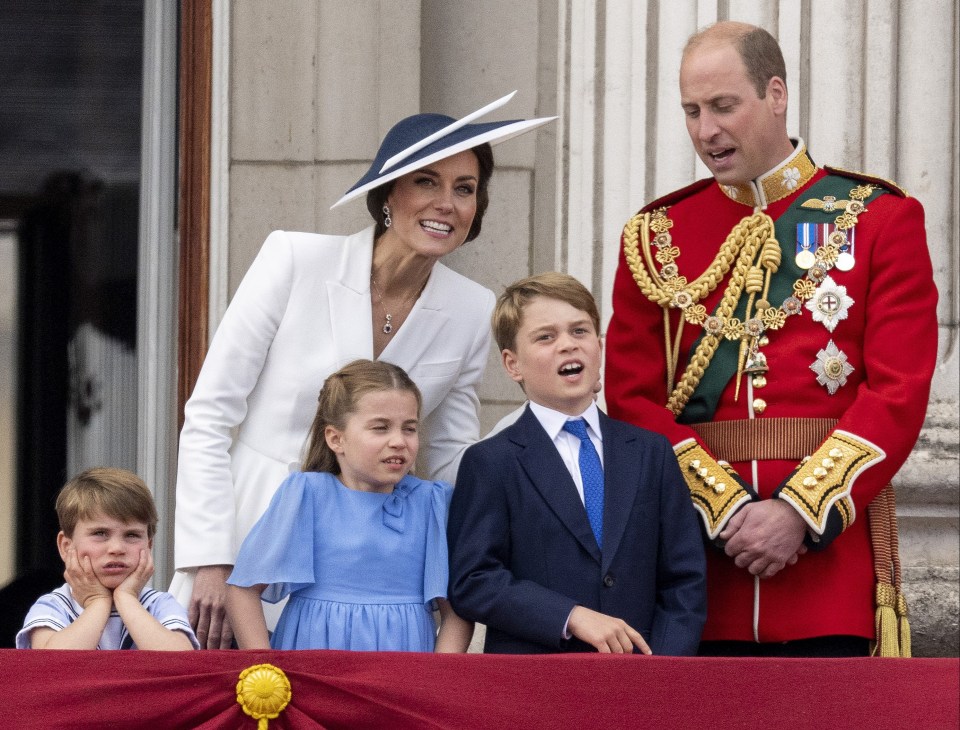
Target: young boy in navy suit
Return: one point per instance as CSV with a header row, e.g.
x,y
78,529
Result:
x,y
568,530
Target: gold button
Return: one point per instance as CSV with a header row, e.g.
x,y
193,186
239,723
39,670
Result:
x,y
719,489
759,381
828,462
759,405
695,464
763,341
809,482
819,472
836,453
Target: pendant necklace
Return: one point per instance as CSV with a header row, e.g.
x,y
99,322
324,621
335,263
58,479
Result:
x,y
387,328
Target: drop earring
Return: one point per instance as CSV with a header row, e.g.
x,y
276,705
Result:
x,y
387,220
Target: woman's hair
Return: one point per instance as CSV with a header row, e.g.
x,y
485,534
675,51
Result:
x,y
338,400
377,197
116,493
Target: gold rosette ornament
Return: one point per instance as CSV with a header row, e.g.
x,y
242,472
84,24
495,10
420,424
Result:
x,y
263,692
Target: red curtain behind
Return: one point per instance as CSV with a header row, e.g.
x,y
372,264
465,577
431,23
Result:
x,y
333,689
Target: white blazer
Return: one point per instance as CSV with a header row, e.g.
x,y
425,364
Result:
x,y
301,312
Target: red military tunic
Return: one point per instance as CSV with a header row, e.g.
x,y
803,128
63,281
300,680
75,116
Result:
x,y
888,334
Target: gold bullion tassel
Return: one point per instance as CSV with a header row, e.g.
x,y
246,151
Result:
x,y
892,624
888,634
904,625
263,692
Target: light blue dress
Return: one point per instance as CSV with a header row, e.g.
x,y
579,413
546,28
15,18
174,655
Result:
x,y
361,568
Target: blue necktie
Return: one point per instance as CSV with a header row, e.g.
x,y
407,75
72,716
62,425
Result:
x,y
591,472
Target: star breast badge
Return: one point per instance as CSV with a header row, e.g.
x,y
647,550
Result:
x,y
829,303
831,367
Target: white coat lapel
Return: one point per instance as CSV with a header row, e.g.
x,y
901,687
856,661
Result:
x,y
424,329
348,295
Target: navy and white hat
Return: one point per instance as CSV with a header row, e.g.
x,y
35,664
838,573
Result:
x,y
417,141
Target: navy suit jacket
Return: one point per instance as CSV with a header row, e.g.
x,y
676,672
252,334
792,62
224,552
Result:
x,y
522,553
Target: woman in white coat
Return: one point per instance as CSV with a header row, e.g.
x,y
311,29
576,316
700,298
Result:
x,y
309,304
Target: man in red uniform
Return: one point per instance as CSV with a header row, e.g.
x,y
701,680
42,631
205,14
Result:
x,y
778,323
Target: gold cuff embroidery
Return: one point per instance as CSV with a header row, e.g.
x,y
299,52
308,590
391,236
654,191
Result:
x,y
826,478
715,492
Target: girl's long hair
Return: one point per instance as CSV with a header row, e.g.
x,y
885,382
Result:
x,y
338,399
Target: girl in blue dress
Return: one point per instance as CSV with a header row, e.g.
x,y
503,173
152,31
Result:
x,y
356,542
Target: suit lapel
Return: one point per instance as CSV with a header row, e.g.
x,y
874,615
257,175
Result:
x,y
542,463
621,482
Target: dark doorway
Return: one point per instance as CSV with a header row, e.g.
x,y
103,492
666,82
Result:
x,y
70,137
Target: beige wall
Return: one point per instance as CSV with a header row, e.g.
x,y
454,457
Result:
x,y
314,84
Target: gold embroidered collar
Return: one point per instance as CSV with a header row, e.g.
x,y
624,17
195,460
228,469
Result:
x,y
791,174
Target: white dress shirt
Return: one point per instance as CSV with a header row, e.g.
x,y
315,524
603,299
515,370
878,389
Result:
x,y
565,442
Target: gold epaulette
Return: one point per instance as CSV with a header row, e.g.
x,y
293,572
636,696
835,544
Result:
x,y
677,195
714,489
864,177
826,478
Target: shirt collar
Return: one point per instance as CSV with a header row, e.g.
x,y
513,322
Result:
x,y
775,184
552,421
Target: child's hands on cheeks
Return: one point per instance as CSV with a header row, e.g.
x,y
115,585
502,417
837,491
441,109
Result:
x,y
135,582
83,582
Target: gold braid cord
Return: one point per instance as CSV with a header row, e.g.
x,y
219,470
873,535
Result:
x,y
826,478
651,283
748,246
714,489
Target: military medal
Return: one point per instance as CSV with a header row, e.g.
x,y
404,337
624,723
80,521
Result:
x,y
843,240
845,261
805,259
805,242
812,237
832,368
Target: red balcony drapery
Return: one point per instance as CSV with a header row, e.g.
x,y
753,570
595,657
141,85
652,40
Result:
x,y
333,689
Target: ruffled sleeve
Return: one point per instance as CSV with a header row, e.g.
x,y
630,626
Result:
x,y
279,551
436,562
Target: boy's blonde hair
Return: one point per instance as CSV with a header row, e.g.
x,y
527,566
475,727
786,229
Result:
x,y
117,493
508,313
